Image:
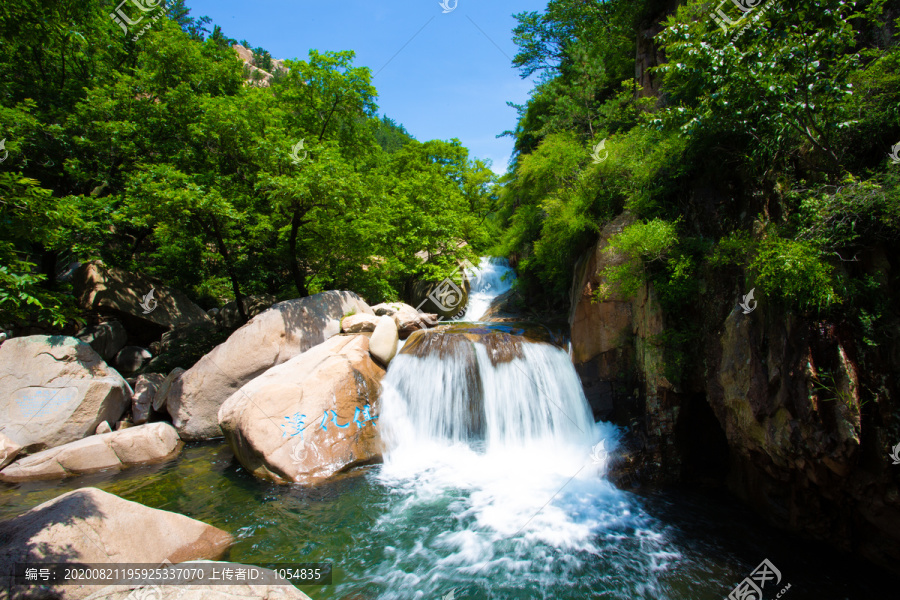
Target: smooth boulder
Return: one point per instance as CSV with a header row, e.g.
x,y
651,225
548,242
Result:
x,y
230,317
89,526
55,390
359,323
153,442
383,343
309,418
275,336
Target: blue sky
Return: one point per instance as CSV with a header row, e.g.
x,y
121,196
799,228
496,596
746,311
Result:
x,y
450,80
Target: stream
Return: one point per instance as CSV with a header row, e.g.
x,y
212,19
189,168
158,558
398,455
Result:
x,y
493,486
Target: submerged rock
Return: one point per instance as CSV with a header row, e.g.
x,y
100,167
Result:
x,y
55,390
309,418
503,342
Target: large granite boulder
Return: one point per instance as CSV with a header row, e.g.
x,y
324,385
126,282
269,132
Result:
x,y
92,526
309,418
184,346
154,442
55,390
106,338
113,291
271,338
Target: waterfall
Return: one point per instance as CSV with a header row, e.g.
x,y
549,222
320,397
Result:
x,y
491,278
494,465
504,421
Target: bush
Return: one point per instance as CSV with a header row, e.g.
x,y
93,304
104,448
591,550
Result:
x,y
795,272
643,243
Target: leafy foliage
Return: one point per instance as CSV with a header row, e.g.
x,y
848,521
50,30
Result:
x,y
155,156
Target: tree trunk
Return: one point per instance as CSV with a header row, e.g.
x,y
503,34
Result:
x,y
299,276
235,286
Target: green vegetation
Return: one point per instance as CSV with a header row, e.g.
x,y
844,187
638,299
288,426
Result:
x,y
155,156
761,159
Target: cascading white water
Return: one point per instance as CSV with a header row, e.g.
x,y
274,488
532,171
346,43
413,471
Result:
x,y
489,456
492,277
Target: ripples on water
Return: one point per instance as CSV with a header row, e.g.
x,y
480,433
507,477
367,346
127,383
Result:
x,y
666,546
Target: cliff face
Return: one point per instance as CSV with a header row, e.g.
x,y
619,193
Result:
x,y
776,407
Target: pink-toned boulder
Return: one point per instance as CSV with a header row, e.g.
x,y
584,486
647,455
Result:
x,y
269,339
309,418
55,390
92,526
359,323
136,445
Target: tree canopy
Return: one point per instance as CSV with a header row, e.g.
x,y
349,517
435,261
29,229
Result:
x,y
156,155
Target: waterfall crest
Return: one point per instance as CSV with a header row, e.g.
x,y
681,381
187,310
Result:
x,y
491,278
